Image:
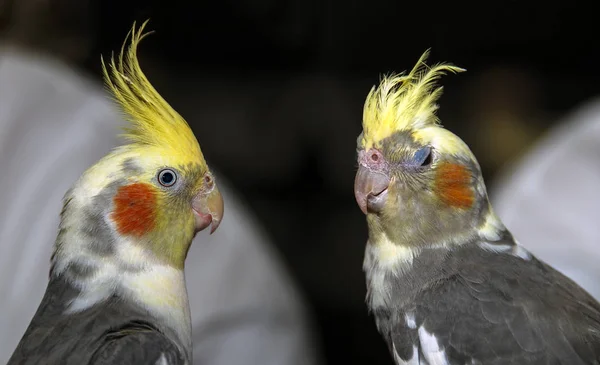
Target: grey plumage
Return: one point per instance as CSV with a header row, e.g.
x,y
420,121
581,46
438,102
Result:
x,y
112,332
488,307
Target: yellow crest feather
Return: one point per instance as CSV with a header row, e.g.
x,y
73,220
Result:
x,y
403,102
152,121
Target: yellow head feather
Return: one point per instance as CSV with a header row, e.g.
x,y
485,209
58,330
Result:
x,y
153,122
403,102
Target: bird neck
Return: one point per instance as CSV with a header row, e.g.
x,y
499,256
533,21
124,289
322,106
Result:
x,y
102,265
161,290
134,275
393,247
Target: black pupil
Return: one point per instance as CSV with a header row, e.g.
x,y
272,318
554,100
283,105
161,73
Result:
x,y
167,177
427,160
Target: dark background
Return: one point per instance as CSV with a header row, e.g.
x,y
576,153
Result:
x,y
274,91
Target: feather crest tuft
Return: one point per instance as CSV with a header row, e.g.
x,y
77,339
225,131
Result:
x,y
403,102
152,121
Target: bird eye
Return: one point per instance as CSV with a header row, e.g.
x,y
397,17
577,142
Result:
x,y
423,157
167,177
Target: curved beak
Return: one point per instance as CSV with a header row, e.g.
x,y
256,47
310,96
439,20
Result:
x,y
370,189
208,208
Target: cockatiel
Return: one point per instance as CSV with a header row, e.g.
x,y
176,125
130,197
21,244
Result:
x,y
446,281
116,292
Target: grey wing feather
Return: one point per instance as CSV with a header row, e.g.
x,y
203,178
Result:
x,y
521,313
401,339
507,311
137,343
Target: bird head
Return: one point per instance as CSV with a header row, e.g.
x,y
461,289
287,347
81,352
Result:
x,y
154,192
417,182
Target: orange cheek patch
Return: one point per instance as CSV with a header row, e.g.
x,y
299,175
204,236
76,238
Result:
x,y
134,209
453,185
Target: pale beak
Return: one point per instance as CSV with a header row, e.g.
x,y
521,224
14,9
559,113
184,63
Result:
x,y
208,209
370,189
